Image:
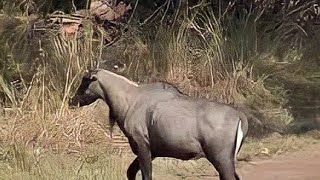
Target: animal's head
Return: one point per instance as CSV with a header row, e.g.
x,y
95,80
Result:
x,y
89,90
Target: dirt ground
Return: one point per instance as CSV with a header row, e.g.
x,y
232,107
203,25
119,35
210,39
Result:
x,y
300,165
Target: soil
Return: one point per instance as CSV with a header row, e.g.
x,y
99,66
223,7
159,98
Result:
x,y
300,165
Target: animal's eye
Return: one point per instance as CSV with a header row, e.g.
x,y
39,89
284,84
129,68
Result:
x,y
87,91
120,67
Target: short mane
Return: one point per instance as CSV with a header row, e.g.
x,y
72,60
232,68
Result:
x,y
173,86
120,77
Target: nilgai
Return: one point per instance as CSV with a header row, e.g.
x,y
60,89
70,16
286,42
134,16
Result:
x,y
160,121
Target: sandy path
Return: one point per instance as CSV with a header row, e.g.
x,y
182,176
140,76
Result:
x,y
300,165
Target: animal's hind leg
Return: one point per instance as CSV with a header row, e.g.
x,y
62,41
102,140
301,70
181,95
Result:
x,y
225,167
224,164
133,169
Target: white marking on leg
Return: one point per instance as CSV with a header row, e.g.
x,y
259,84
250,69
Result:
x,y
239,140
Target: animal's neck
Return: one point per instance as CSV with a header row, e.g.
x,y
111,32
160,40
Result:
x,y
119,95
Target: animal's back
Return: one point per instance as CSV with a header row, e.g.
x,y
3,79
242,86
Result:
x,y
148,96
159,86
156,92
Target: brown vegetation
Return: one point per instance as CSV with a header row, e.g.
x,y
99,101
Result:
x,y
264,57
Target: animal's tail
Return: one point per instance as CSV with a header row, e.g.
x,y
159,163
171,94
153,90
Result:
x,y
242,130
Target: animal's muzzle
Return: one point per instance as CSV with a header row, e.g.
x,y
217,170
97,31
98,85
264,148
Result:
x,y
82,100
74,102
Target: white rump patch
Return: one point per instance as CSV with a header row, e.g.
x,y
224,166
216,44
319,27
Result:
x,y
123,78
239,140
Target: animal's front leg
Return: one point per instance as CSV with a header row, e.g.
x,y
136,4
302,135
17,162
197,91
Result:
x,y
133,169
145,161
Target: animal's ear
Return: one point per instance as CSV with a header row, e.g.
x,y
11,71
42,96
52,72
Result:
x,y
93,77
86,74
90,76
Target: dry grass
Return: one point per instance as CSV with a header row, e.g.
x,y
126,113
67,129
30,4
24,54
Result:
x,y
71,133
76,145
40,138
275,144
37,115
19,162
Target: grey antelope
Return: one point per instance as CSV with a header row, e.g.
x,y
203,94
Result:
x,y
159,121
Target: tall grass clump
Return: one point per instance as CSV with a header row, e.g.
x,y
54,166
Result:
x,y
213,57
36,86
40,69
